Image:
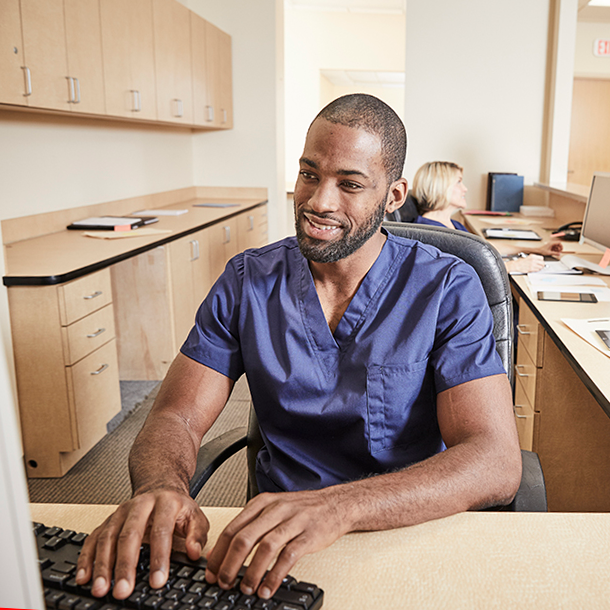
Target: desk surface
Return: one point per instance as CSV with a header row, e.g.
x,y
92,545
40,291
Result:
x,y
590,365
470,560
66,255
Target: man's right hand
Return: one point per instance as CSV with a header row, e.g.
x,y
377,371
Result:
x,y
155,517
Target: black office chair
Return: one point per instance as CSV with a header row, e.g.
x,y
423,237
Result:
x,y
488,264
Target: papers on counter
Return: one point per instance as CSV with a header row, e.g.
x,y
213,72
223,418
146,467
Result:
x,y
579,284
587,329
160,213
144,232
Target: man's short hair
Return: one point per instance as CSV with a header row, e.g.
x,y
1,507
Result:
x,y
432,184
362,111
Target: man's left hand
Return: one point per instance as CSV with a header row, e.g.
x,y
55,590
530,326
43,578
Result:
x,y
284,525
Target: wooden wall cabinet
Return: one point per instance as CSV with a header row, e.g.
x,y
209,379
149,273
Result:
x,y
152,60
66,368
212,75
12,60
129,63
558,418
172,36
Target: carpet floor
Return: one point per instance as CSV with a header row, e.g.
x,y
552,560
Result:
x,y
102,476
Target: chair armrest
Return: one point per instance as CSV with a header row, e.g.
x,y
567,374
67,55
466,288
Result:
x,y
531,495
213,453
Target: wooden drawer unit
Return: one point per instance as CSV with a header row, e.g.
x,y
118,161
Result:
x,y
62,336
530,336
87,334
524,416
84,296
525,373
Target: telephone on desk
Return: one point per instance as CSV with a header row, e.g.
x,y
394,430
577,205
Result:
x,y
569,231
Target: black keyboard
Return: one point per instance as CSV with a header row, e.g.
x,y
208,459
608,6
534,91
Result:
x,y
186,588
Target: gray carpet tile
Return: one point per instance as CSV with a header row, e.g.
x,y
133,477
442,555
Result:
x,y
102,477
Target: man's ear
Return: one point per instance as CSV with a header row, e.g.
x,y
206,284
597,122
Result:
x,y
397,194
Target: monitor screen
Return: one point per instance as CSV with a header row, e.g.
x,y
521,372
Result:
x,y
596,223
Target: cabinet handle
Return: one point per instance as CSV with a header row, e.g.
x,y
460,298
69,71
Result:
x,y
210,110
194,250
227,235
28,81
178,108
77,99
224,115
251,223
517,415
97,293
137,101
97,333
100,370
71,89
517,370
521,331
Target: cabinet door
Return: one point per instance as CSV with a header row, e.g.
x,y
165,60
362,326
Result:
x,y
127,48
252,228
223,245
172,38
201,112
190,280
84,50
12,61
225,80
44,42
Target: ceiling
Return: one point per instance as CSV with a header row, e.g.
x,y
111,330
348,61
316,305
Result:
x,y
351,6
588,12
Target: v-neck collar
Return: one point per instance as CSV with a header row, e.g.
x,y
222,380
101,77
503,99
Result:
x,y
364,300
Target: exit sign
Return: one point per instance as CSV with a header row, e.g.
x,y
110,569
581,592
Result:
x,y
601,47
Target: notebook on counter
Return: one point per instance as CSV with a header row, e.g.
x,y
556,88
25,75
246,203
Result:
x,y
112,223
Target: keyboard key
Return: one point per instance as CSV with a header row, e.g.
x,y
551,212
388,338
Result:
x,y
54,543
185,572
69,602
51,531
296,598
199,576
78,539
52,598
66,534
88,604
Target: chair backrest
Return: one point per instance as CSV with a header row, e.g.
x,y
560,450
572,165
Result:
x,y
490,268
407,212
492,272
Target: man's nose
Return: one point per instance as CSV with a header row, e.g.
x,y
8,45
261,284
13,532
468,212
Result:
x,y
324,198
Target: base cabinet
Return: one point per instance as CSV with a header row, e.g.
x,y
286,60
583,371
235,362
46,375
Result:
x,y
66,367
558,418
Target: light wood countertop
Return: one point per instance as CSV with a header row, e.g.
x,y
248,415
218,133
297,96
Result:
x,y
467,561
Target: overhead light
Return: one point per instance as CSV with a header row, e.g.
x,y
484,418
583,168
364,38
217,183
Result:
x,y
599,3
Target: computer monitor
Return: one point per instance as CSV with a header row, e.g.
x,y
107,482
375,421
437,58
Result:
x,y
596,224
20,583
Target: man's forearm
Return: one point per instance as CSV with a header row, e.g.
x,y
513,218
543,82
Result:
x,y
461,478
163,455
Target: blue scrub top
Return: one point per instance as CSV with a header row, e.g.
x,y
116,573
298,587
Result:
x,y
337,407
428,221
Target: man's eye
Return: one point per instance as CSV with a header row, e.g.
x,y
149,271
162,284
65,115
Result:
x,y
352,186
307,175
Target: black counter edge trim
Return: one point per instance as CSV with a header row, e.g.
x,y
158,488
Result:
x,y
599,397
52,280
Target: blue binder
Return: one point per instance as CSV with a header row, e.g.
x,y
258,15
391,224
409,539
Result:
x,y
504,192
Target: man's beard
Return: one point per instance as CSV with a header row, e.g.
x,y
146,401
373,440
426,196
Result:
x,y
321,251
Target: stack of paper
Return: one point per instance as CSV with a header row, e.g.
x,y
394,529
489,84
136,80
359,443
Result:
x,y
587,329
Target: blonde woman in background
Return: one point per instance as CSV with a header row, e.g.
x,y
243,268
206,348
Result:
x,y
439,192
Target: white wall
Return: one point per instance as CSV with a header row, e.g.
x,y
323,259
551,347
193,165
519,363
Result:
x,y
586,64
475,81
317,40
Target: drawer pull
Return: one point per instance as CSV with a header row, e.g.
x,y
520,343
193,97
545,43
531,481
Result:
x,y
100,370
517,371
521,331
97,333
520,416
97,293
227,235
194,249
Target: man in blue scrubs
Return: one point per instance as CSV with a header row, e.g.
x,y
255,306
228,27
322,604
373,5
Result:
x,y
373,372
